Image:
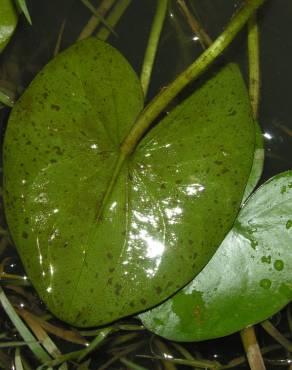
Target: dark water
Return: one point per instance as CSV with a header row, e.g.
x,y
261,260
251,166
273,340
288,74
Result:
x,y
33,46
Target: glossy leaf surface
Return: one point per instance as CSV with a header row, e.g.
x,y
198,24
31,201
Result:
x,y
248,279
8,21
172,204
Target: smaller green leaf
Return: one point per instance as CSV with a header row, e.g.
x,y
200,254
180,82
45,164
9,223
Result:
x,y
8,21
247,280
23,7
257,165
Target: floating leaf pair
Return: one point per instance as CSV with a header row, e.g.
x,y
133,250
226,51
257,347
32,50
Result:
x,y
175,198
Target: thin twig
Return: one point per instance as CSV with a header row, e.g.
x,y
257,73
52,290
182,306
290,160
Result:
x,y
122,353
270,329
113,18
204,38
94,21
89,6
201,363
59,38
165,352
242,359
152,46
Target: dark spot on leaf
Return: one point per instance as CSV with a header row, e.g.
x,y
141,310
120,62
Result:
x,y
109,256
55,107
143,301
118,289
283,189
158,289
232,113
24,235
58,150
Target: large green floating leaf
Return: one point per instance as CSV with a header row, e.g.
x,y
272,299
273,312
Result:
x,y
174,200
248,279
8,21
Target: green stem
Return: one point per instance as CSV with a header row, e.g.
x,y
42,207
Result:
x,y
113,18
254,64
153,42
94,21
96,342
161,101
252,349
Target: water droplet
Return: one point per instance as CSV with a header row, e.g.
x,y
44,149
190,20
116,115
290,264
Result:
x,y
288,224
265,283
279,265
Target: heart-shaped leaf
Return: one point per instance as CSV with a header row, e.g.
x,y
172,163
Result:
x,y
8,21
248,279
173,202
